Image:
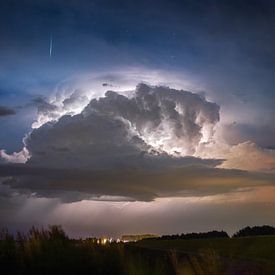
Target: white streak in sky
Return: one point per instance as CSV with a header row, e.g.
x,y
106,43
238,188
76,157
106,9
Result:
x,y
51,46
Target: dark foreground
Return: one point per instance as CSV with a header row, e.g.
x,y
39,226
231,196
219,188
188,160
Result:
x,y
52,252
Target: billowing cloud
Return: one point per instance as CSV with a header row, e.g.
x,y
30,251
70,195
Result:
x,y
155,142
169,120
16,157
115,128
70,102
6,111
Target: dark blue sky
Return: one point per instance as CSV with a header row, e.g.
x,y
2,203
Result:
x,y
228,46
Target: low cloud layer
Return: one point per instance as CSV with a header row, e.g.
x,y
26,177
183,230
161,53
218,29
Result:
x,y
136,147
230,212
144,183
6,111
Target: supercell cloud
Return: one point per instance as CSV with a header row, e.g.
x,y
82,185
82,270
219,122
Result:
x,y
114,128
136,147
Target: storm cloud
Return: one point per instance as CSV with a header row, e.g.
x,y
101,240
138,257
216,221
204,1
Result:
x,y
167,119
136,147
118,130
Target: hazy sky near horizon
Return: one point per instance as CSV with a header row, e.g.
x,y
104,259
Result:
x,y
113,112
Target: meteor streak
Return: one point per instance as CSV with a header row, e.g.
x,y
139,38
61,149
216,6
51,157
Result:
x,y
51,46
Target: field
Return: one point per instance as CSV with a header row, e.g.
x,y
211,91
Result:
x,y
51,251
248,255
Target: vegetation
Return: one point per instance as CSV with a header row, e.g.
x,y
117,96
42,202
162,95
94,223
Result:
x,y
50,251
201,235
255,231
134,238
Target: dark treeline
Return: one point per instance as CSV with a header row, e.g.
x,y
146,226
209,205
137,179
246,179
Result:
x,y
244,232
200,235
255,231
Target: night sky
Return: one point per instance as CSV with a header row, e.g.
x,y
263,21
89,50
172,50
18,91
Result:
x,y
137,116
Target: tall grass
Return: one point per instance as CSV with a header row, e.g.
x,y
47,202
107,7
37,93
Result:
x,y
50,251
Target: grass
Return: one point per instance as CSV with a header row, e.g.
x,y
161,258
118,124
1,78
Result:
x,y
259,249
50,251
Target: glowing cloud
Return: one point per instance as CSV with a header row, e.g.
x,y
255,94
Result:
x,y
153,142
